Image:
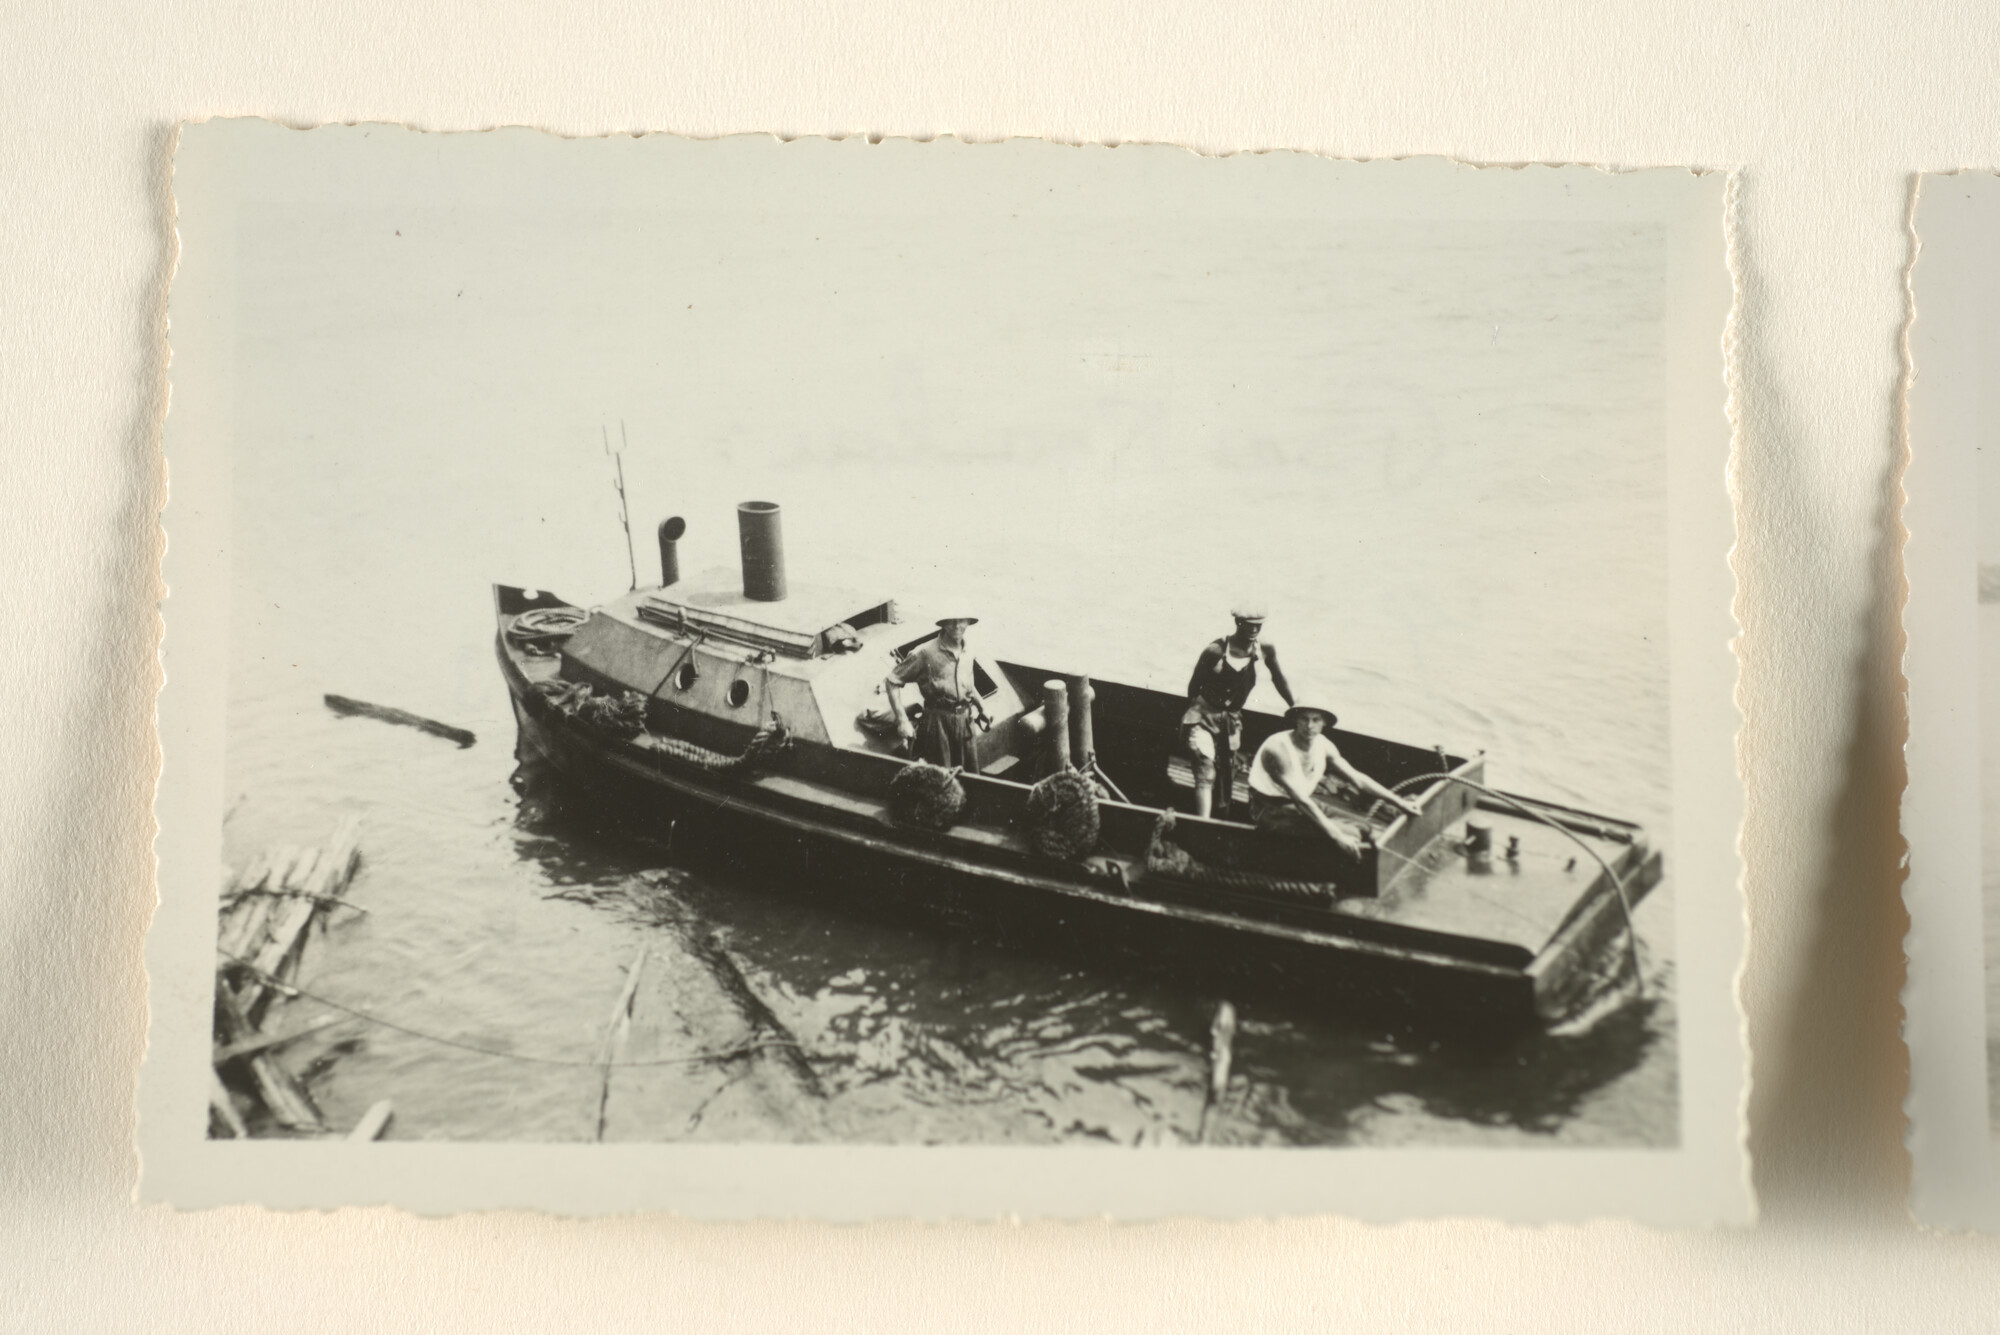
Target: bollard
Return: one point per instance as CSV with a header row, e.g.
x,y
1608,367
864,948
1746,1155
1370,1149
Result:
x,y
1478,846
1081,697
1055,705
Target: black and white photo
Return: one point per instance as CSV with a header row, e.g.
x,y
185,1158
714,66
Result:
x,y
749,677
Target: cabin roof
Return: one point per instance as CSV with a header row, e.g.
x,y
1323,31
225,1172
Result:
x,y
808,610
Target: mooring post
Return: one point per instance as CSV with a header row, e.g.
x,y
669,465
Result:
x,y
1081,697
1055,703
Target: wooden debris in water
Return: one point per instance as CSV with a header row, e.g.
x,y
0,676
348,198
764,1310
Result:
x,y
341,704
220,1099
614,1036
266,1042
280,1091
709,1059
1222,1048
373,1122
266,914
324,877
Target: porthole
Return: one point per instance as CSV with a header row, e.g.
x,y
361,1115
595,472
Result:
x,y
686,677
739,693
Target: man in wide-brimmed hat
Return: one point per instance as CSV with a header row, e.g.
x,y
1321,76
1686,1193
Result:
x,y
1212,725
1288,768
942,672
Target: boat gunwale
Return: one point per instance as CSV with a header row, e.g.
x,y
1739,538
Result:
x,y
904,847
1432,947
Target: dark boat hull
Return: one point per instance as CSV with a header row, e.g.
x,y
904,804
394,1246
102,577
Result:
x,y
727,823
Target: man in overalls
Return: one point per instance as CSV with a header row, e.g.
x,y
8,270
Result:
x,y
942,672
1212,726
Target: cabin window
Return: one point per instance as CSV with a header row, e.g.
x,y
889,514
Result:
x,y
739,693
982,681
686,677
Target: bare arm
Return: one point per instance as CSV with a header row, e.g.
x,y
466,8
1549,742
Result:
x,y
1367,784
1202,667
1278,674
892,688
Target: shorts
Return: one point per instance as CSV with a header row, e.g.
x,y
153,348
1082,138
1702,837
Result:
x,y
1202,729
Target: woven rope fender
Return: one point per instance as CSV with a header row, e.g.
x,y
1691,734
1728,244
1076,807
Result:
x,y
926,796
769,740
1167,859
1062,815
614,713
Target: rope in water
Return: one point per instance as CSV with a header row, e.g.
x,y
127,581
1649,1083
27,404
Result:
x,y
1617,882
698,1059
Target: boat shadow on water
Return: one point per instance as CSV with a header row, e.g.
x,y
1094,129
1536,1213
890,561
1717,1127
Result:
x,y
921,1016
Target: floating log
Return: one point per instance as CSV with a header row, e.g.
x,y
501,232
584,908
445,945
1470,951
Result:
x,y
373,1122
341,704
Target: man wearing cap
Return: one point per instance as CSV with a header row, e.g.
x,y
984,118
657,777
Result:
x,y
1212,726
1289,767
942,671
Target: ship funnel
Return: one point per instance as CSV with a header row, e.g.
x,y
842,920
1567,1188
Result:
x,y
670,556
763,551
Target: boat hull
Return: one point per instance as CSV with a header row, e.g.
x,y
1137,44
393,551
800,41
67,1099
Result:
x,y
1062,911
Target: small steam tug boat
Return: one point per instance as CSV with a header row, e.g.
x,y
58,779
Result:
x,y
740,716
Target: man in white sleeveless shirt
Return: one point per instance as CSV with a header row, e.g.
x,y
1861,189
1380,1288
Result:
x,y
1289,766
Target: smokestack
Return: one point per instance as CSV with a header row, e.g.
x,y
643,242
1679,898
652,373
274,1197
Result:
x,y
763,542
670,557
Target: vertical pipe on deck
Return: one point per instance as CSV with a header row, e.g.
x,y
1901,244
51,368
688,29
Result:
x,y
1081,697
670,559
1055,706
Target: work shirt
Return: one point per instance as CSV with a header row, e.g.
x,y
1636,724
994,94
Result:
x,y
939,673
1281,749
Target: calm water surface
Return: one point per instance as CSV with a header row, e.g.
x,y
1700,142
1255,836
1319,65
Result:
x,y
1474,560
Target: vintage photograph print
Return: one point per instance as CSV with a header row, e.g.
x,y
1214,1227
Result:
x,y
1951,810
929,678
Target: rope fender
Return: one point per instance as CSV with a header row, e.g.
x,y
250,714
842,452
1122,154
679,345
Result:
x,y
1062,816
768,741
623,715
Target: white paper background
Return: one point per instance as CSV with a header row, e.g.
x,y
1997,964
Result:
x,y
1955,284
1828,107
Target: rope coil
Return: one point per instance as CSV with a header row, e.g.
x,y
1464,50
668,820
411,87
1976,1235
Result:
x,y
541,631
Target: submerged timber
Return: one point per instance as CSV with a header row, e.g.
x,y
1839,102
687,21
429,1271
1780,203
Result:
x,y
730,718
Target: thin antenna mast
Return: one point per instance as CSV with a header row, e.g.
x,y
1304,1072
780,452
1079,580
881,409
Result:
x,y
624,516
